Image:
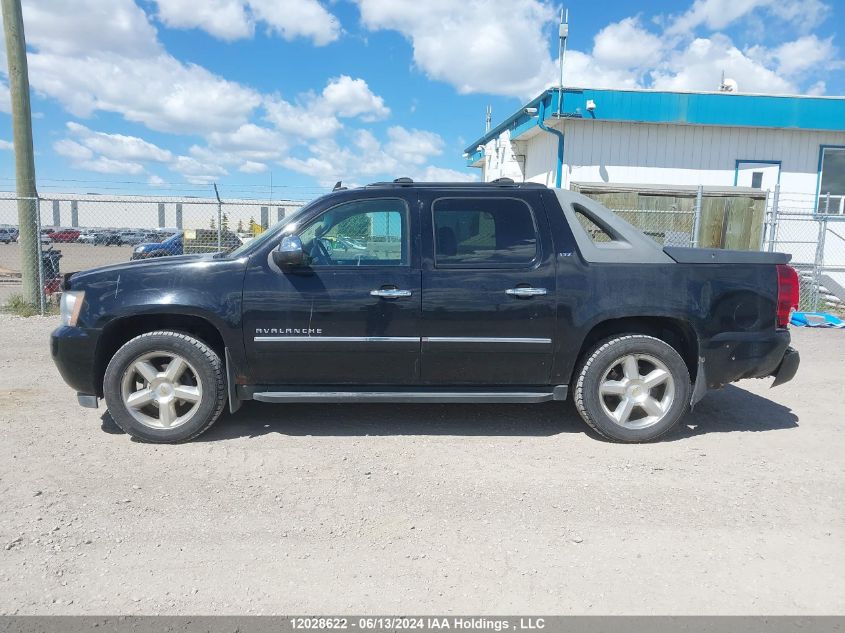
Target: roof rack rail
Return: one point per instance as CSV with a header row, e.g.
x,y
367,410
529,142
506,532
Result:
x,y
499,182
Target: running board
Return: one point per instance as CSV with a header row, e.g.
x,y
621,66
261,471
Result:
x,y
518,397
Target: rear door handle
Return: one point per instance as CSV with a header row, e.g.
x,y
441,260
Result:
x,y
390,293
525,293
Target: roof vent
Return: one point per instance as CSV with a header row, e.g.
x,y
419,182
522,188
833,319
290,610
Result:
x,y
404,180
502,181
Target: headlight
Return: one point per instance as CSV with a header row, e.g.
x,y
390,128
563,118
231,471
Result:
x,y
139,249
71,304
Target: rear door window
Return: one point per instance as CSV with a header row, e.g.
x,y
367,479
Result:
x,y
484,233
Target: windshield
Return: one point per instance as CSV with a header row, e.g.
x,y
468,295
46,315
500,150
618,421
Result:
x,y
256,242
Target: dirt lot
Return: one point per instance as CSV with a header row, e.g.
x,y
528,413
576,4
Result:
x,y
74,257
427,509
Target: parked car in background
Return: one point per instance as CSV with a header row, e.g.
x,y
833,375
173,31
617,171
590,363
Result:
x,y
65,235
171,246
132,237
8,234
107,238
88,236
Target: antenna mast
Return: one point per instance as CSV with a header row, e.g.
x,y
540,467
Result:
x,y
488,118
563,34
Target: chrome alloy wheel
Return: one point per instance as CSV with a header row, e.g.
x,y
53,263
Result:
x,y
637,391
161,390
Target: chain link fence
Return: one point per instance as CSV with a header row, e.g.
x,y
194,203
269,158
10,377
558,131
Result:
x,y
812,230
75,232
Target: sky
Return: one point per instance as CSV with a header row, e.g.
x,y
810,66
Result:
x,y
172,95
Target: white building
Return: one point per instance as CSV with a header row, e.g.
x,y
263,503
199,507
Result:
x,y
672,139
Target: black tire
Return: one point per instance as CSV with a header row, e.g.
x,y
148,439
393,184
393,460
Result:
x,y
603,365
202,361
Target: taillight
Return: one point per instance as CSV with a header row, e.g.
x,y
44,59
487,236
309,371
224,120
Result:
x,y
788,293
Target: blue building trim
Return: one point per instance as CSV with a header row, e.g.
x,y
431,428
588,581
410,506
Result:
x,y
701,108
740,161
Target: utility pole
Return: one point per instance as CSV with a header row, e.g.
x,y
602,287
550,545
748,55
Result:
x,y
24,158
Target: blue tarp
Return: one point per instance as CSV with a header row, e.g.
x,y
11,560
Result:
x,y
816,319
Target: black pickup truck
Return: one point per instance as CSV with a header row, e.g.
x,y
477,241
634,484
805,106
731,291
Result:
x,y
436,292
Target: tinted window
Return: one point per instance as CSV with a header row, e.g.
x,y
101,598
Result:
x,y
360,233
479,232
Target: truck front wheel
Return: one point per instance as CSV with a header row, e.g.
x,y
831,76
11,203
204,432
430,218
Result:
x,y
632,388
165,387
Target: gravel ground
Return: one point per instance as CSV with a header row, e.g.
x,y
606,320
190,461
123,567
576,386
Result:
x,y
426,509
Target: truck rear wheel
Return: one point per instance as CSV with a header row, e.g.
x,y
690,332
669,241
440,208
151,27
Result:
x,y
165,387
632,388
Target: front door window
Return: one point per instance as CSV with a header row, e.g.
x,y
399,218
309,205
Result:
x,y
360,233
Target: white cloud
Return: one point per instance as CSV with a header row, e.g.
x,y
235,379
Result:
x,y
499,47
297,18
225,19
86,27
252,167
105,165
413,146
7,145
161,92
196,172
119,146
103,55
505,47
249,141
5,97
348,97
236,19
317,117
155,181
82,157
718,14
626,44
406,152
73,150
806,53
300,121
441,174
700,65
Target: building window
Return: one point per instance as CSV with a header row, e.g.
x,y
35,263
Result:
x,y
832,185
757,180
483,233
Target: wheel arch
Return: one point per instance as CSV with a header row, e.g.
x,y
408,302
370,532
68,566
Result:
x,y
675,332
121,330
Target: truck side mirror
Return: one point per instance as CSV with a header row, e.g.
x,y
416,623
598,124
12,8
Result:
x,y
289,252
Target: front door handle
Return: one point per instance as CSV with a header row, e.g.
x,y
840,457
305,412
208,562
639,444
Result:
x,y
390,293
525,293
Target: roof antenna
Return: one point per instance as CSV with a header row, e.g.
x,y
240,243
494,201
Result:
x,y
338,185
563,34
488,118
